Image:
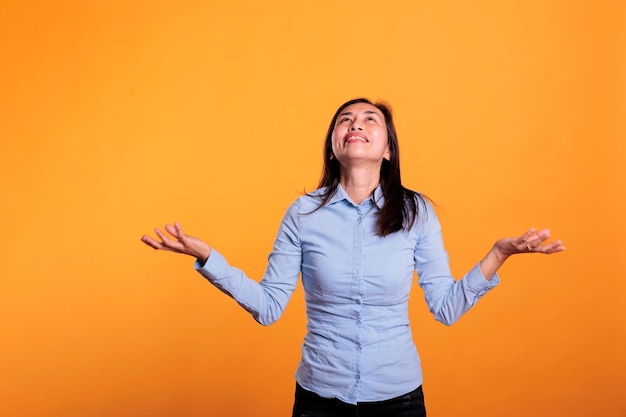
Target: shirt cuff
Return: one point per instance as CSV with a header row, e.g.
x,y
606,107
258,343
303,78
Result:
x,y
478,283
214,267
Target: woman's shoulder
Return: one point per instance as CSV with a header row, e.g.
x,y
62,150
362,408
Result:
x,y
423,205
311,199
317,193
308,201
421,200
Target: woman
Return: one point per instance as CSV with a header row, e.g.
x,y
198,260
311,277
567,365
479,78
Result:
x,y
356,241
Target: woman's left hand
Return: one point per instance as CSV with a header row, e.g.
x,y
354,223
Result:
x,y
530,242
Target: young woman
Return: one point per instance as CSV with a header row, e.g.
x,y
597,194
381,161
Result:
x,y
356,242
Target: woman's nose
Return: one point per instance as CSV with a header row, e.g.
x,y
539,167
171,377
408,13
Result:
x,y
355,127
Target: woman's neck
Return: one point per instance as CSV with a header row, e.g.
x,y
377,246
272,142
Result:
x,y
359,183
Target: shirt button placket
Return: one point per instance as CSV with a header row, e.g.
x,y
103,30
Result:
x,y
358,286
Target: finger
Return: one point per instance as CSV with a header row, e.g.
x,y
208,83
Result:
x,y
552,247
160,234
541,235
171,230
520,241
179,232
151,242
166,242
536,239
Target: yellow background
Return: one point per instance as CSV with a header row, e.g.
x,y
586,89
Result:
x,y
119,116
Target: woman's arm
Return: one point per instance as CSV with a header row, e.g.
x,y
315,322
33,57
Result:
x,y
265,300
447,298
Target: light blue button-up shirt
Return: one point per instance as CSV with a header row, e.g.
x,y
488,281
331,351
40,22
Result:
x,y
358,345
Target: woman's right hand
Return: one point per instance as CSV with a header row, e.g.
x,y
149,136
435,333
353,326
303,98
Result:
x,y
181,243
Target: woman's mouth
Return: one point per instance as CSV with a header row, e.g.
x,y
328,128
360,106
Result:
x,y
352,138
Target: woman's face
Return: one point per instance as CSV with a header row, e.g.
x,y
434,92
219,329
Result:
x,y
360,135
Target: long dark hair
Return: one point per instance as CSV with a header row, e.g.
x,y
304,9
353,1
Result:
x,y
401,204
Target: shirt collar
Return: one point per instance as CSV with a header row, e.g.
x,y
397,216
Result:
x,y
376,198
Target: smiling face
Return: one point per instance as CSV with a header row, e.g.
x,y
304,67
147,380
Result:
x,y
360,135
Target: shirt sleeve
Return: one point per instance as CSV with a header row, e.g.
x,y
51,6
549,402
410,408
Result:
x,y
265,300
446,297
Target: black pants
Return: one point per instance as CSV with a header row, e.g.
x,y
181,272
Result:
x,y
309,404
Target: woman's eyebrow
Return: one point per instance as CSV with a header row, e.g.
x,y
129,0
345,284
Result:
x,y
349,113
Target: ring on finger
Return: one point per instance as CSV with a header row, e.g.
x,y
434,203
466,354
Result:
x,y
528,247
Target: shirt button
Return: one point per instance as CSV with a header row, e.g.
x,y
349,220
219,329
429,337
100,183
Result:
x,y
357,377
359,347
358,321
